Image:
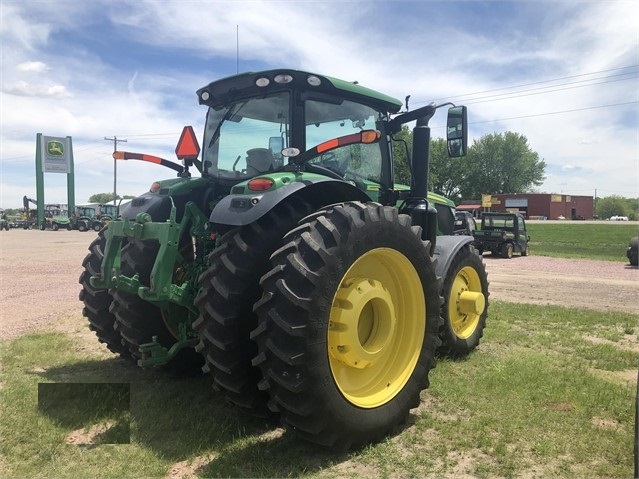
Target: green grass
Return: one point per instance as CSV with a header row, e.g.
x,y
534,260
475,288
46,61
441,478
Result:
x,y
549,393
601,241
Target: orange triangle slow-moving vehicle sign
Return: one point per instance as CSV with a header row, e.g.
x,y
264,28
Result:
x,y
187,147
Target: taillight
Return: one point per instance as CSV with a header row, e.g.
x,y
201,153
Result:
x,y
260,184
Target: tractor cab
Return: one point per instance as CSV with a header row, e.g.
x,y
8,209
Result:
x,y
258,123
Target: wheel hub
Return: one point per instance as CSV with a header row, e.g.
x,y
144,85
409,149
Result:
x,y
466,302
363,322
471,302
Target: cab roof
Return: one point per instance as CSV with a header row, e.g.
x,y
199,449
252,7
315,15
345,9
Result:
x,y
249,84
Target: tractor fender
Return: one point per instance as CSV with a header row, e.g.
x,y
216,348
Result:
x,y
244,209
445,250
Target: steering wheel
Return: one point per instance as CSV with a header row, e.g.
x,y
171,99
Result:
x,y
329,160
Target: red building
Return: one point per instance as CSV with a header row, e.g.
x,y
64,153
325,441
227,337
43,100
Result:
x,y
535,205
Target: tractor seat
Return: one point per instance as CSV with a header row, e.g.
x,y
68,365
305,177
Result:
x,y
258,160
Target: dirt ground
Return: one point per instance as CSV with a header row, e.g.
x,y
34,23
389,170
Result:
x,y
39,287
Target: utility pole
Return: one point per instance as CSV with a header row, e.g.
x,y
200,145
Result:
x,y
115,163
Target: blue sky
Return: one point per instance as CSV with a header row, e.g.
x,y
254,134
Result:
x,y
563,74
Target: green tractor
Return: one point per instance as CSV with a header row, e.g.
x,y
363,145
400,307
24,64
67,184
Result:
x,y
85,219
107,213
294,270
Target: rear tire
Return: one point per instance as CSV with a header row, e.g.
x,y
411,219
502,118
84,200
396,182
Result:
x,y
348,324
507,250
463,327
526,251
228,290
98,301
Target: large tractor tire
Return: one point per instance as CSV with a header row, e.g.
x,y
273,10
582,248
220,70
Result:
x,y
348,324
137,320
465,308
98,301
228,290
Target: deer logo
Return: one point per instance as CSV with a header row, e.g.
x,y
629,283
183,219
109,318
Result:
x,y
55,148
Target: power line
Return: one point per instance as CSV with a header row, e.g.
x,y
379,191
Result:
x,y
532,92
555,112
540,82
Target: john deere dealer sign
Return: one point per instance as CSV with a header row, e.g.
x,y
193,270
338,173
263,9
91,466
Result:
x,y
55,154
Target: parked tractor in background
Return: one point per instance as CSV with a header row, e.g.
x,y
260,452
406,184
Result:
x,y
85,218
294,270
106,213
502,234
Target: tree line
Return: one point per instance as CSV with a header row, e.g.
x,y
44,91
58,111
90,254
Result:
x,y
496,163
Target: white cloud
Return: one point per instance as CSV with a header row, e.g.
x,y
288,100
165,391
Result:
x,y
36,67
23,88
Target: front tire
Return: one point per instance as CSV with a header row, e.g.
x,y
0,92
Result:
x,y
348,324
465,308
228,290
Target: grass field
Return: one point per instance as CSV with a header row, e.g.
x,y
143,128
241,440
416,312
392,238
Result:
x,y
550,391
574,239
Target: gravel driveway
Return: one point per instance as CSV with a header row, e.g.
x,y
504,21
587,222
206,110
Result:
x,y
39,273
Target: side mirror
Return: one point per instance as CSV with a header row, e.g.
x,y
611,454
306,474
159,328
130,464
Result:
x,y
276,144
457,131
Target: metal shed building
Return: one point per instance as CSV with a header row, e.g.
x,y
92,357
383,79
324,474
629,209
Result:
x,y
537,205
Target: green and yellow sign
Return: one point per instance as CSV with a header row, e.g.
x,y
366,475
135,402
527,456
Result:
x,y
55,154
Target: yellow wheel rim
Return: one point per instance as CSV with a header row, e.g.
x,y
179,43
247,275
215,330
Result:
x,y
466,302
376,328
